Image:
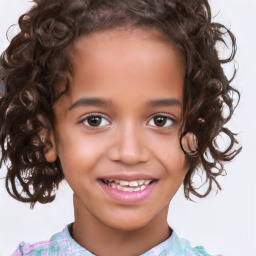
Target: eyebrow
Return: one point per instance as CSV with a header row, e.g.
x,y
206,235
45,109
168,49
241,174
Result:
x,y
164,102
96,102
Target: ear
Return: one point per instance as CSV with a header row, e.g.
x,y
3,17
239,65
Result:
x,y
189,143
50,150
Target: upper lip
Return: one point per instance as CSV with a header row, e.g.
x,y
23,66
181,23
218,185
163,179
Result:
x,y
128,177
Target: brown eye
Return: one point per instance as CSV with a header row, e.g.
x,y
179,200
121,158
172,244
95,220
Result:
x,y
95,121
161,121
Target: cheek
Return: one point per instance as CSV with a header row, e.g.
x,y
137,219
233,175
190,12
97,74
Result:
x,y
172,158
79,153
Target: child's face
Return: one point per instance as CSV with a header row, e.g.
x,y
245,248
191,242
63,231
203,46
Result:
x,y
120,121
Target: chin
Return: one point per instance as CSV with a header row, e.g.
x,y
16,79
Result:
x,y
128,222
129,226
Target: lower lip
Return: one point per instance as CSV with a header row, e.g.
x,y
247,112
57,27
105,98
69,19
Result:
x,y
128,197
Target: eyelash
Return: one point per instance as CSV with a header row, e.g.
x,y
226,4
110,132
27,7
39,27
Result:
x,y
94,127
167,117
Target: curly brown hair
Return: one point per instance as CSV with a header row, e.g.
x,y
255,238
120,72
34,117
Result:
x,y
40,56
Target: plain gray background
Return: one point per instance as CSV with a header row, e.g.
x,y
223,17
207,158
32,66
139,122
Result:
x,y
225,223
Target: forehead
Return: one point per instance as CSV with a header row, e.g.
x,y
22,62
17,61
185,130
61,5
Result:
x,y
130,52
135,61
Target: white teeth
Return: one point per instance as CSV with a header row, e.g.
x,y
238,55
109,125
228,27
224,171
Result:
x,y
124,183
142,187
147,182
128,186
141,182
113,185
133,184
127,189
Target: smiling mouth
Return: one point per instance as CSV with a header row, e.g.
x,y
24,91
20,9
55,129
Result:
x,y
128,186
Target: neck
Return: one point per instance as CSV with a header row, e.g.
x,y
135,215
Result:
x,y
101,239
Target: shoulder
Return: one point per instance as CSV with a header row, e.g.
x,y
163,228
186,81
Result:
x,y
25,249
176,246
183,246
60,244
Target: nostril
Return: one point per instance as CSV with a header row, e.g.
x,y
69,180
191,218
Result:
x,y
128,155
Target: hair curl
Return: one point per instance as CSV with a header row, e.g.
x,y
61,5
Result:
x,y
39,56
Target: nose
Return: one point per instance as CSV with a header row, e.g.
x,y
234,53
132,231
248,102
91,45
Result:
x,y
129,146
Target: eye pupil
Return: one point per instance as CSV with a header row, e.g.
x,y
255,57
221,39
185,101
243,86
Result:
x,y
160,120
94,120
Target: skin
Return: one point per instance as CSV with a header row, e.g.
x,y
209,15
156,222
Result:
x,y
130,71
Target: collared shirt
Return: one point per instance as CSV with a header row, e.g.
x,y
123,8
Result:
x,y
62,244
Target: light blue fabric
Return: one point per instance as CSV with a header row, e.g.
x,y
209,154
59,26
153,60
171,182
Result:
x,y
62,244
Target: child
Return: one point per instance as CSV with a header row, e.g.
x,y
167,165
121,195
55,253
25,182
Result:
x,y
125,100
